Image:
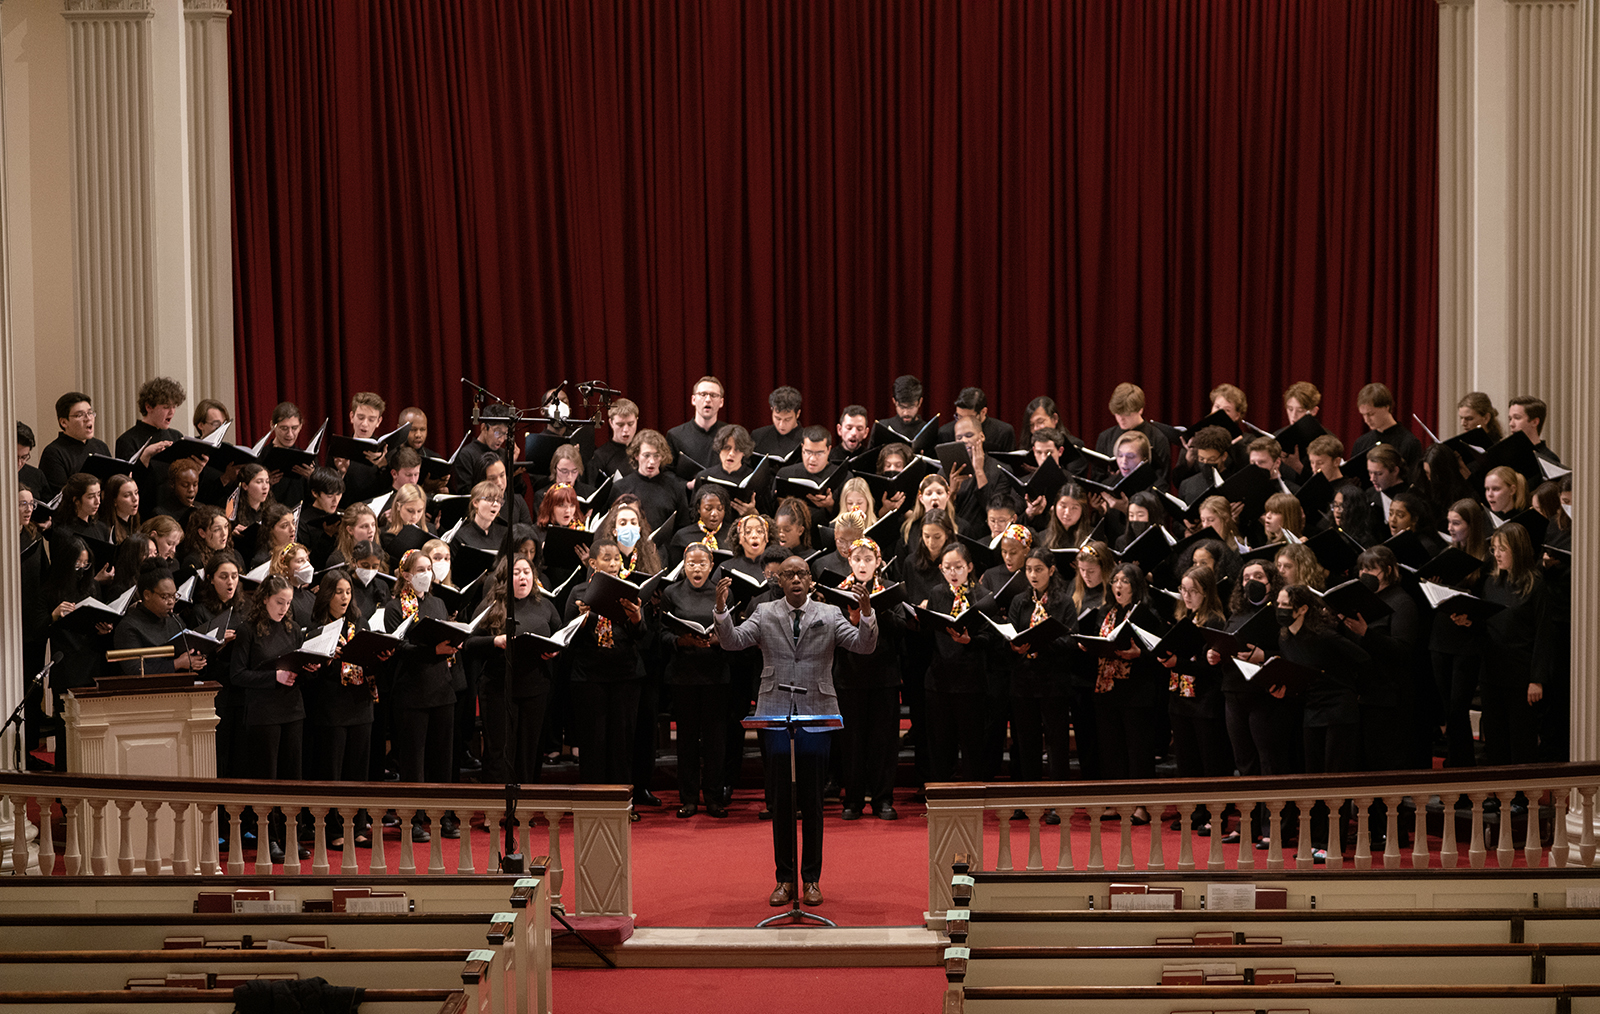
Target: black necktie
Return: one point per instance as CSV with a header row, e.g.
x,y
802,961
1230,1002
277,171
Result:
x,y
797,626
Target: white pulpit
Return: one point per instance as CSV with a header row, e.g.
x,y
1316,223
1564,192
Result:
x,y
161,726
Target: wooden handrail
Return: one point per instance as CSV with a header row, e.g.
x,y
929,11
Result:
x,y
1275,786
451,1000
1281,915
1299,991
1208,952
254,956
56,785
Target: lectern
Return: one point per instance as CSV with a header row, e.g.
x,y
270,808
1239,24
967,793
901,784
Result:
x,y
794,723
160,726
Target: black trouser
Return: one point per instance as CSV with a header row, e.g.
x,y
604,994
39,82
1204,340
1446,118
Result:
x,y
1038,724
1456,677
423,742
343,753
464,736
811,767
1332,749
745,675
1085,734
913,675
1262,733
276,750
1509,724
607,714
524,761
954,728
1201,742
233,737
996,717
644,735
870,743
701,711
1386,738
383,731
1127,739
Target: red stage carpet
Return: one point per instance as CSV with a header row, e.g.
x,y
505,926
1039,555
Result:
x,y
766,990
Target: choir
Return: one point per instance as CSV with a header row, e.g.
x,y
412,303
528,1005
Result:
x,y
1228,598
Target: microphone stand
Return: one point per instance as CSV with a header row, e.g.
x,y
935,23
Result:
x,y
16,717
511,860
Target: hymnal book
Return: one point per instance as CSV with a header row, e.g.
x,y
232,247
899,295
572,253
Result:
x,y
373,645
1315,496
1269,897
971,621
903,482
1149,549
1217,418
672,621
1121,638
1536,525
1250,485
664,531
605,594
1137,481
558,594
1183,640
1335,550
557,641
1259,629
757,481
317,651
954,455
1035,637
1183,977
430,630
284,459
1278,671
1274,976
1355,599
204,642
1458,603
1408,549
204,448
92,610
889,598
742,589
1043,481
1216,938
357,448
435,468
1451,567
921,442
807,485
1297,436
103,466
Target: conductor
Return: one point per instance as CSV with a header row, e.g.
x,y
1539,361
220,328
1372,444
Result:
x,y
797,636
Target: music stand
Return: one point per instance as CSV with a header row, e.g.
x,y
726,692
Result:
x,y
794,723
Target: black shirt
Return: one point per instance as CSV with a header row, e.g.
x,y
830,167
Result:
x,y
769,441
689,439
691,665
997,435
266,701
534,615
660,495
141,628
63,456
1396,436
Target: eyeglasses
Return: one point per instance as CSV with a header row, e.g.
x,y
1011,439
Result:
x,y
82,415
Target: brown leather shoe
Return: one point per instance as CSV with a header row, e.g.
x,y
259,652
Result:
x,y
781,895
813,894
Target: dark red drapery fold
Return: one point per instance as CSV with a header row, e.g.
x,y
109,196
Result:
x,y
1033,196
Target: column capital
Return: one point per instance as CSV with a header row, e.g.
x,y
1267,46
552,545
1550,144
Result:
x,y
205,8
108,10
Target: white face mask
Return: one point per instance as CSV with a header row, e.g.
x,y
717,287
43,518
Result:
x,y
627,536
422,581
365,576
441,571
303,574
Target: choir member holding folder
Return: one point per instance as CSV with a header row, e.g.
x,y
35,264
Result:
x,y
1457,642
1195,703
512,755
340,706
607,670
697,671
424,692
1041,702
153,623
958,673
869,687
1129,683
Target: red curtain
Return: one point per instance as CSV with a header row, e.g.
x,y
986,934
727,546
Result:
x,y
1031,196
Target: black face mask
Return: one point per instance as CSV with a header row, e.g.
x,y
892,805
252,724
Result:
x,y
1255,592
1370,580
1285,616
1137,528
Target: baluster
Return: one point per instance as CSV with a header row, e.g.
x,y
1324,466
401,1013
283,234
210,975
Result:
x,y
1421,848
525,832
1533,841
378,863
1449,850
1559,847
1586,836
152,838
464,861
1096,861
555,872
1476,853
1363,832
1303,860
1035,851
99,862
1335,853
208,838
1064,860
408,862
1505,852
1275,845
319,832
436,846
1186,838
1003,861
19,835
182,866
1391,834
347,861
1219,824
1125,821
125,831
291,840
236,839
72,812
264,840
47,836
1247,847
1157,861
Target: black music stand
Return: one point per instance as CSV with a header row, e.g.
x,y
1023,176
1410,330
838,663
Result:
x,y
794,723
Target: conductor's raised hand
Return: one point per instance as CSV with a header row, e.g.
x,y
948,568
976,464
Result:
x,y
722,594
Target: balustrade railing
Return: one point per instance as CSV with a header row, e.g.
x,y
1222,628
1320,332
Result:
x,y
957,814
124,826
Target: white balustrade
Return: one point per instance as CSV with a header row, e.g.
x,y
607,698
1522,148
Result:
x,y
107,817
1355,805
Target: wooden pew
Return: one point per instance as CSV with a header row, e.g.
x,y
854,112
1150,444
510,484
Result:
x,y
202,1001
1418,999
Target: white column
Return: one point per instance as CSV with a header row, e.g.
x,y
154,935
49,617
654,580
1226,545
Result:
x,y
131,212
1506,108
1584,454
210,199
12,677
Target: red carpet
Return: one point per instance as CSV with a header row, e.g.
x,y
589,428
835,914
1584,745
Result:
x,y
767,990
